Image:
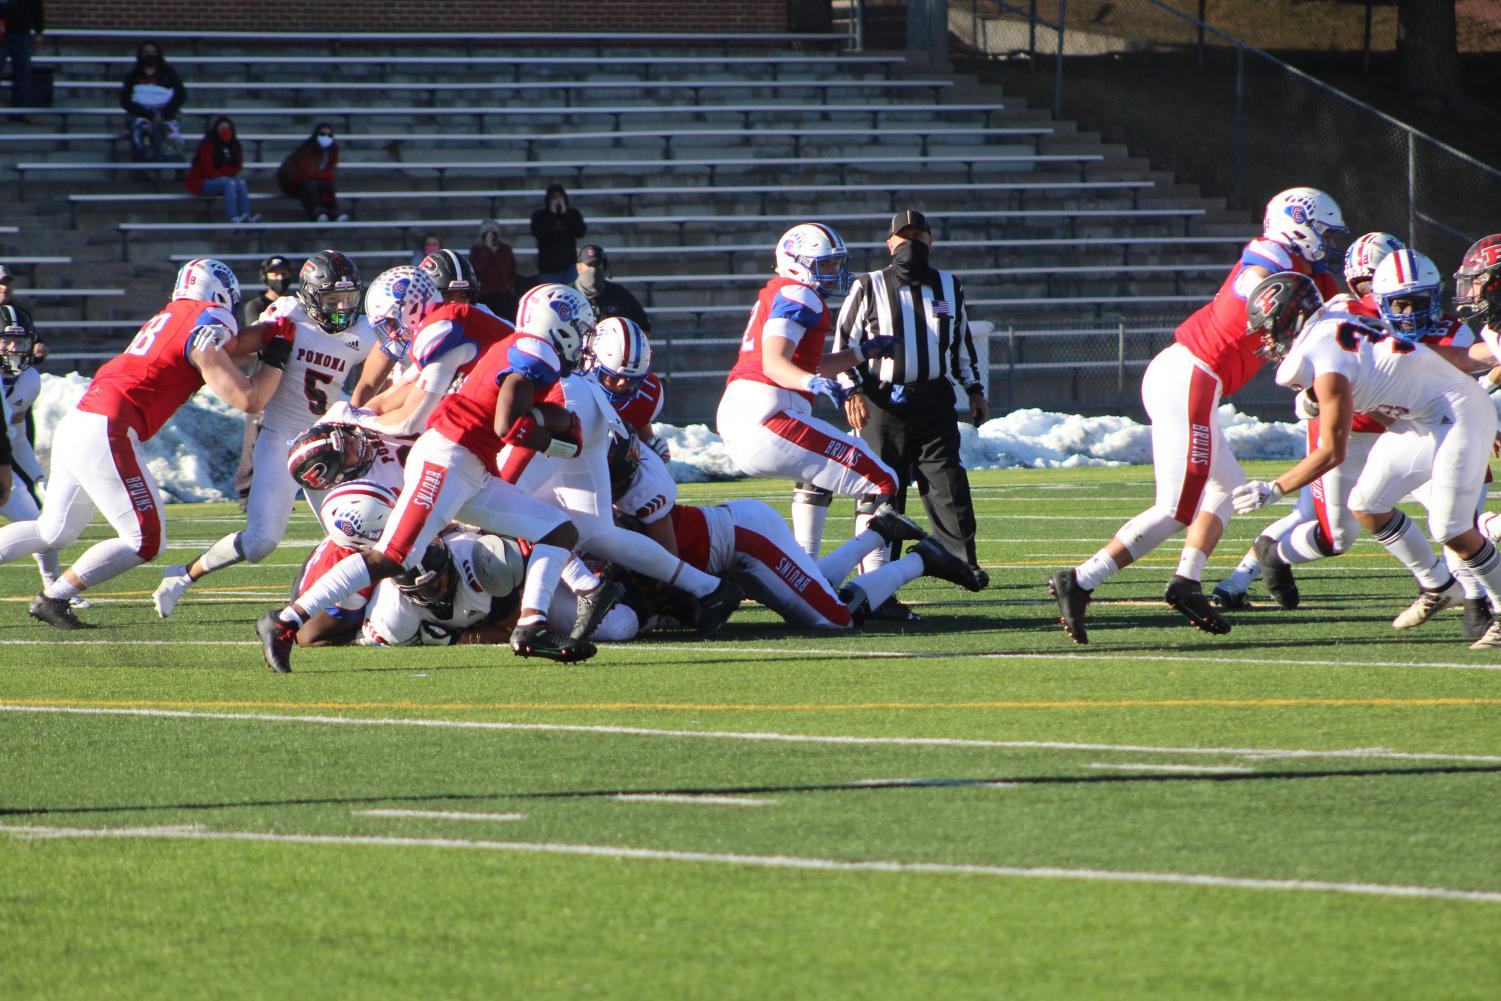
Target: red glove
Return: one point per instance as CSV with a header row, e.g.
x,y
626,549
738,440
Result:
x,y
527,433
276,349
281,329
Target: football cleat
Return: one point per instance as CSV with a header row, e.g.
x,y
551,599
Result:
x,y
893,526
1187,596
892,610
1428,604
939,562
1072,599
1477,617
592,608
979,576
277,639
1230,600
1276,573
535,640
1490,639
56,612
175,584
717,606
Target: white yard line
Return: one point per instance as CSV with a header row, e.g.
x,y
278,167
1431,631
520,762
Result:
x,y
440,814
779,861
1148,766
652,797
1366,753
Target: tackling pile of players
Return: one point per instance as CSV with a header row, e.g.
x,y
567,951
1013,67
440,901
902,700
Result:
x,y
487,481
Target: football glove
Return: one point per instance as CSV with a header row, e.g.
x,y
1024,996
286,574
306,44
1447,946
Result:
x,y
659,445
874,347
821,386
1305,406
1258,493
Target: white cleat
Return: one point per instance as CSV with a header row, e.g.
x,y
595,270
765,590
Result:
x,y
1427,605
80,603
175,584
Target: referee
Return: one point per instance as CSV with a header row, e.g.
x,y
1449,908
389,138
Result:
x,y
904,404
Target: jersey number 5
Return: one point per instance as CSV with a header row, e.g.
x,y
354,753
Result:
x,y
312,387
146,336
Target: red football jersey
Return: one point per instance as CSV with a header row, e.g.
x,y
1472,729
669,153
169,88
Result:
x,y
642,406
147,383
785,299
454,324
466,416
323,559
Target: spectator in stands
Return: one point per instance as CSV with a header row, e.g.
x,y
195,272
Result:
x,y
276,272
152,95
7,298
23,25
557,228
431,244
495,266
216,170
608,298
307,174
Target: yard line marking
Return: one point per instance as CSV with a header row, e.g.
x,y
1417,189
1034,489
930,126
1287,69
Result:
x,y
755,736
1147,766
657,797
439,814
781,861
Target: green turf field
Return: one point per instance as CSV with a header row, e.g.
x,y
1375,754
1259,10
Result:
x,y
970,807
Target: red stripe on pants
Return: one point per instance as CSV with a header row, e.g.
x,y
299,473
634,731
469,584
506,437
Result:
x,y
1201,389
1320,505
128,468
786,568
415,510
844,451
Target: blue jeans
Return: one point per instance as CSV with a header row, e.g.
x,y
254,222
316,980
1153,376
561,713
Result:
x,y
236,195
17,49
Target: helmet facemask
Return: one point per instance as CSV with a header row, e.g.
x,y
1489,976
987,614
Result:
x,y
334,309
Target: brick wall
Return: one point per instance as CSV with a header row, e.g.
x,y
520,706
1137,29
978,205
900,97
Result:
x,y
453,15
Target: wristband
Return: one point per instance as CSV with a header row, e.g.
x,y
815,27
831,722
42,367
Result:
x,y
1489,383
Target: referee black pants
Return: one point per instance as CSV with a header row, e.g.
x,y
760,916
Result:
x,y
919,439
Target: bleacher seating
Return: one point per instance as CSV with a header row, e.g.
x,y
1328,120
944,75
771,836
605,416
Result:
x,y
688,156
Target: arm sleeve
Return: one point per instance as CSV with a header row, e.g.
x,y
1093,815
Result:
x,y
965,363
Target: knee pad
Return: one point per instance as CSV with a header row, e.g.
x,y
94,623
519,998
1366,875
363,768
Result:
x,y
806,493
869,503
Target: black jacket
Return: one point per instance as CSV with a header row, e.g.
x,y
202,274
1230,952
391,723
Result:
x,y
22,16
610,299
557,234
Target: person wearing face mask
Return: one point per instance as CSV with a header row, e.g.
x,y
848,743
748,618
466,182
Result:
x,y
431,244
495,266
608,298
276,272
307,174
904,404
152,95
216,170
557,227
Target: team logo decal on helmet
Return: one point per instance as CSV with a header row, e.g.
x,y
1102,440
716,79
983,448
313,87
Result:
x,y
355,513
208,280
1278,308
560,315
813,254
396,304
1477,283
1304,219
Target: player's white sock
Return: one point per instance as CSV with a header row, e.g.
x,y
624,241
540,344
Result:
x,y
1404,539
810,509
876,557
105,561
645,556
1247,571
224,553
543,570
1486,566
579,578
1095,571
838,564
884,581
47,564
1191,564
1464,574
347,576
61,590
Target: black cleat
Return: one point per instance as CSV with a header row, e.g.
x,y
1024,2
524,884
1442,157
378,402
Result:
x,y
536,641
939,562
277,639
892,610
893,526
1276,573
979,576
592,607
1072,599
717,606
1477,617
854,598
56,612
1234,601
1187,596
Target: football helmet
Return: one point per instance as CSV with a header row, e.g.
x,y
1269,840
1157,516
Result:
x,y
1477,283
1304,219
208,280
560,315
432,583
17,336
1409,277
620,356
813,254
1277,309
1365,256
396,304
453,274
624,458
326,455
355,513
329,289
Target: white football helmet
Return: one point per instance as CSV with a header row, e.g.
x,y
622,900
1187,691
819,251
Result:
x,y
208,280
396,304
1365,256
560,315
1303,219
355,513
620,355
813,254
1412,278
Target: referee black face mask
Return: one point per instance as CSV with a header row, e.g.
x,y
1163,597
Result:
x,y
910,259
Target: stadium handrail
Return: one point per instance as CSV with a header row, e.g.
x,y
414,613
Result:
x,y
276,59
281,37
565,86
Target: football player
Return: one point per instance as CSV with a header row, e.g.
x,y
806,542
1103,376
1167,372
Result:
x,y
331,339
766,414
94,464
355,512
1212,356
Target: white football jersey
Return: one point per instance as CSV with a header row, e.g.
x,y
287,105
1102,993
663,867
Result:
x,y
396,620
314,377
20,395
1406,382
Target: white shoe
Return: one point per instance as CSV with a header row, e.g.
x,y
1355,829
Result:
x,y
1427,605
1490,639
79,602
322,217
175,584
343,217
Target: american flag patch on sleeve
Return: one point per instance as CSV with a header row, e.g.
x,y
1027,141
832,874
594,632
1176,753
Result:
x,y
941,308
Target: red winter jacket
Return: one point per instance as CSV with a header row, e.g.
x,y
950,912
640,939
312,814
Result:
x,y
204,167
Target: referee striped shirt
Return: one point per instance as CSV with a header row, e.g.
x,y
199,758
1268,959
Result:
x,y
926,317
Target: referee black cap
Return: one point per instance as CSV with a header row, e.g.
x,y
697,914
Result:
x,y
276,263
909,219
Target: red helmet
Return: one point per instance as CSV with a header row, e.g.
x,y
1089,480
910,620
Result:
x,y
326,455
